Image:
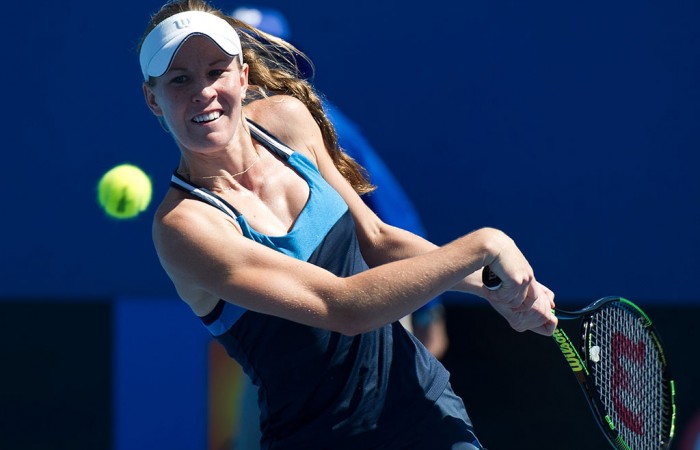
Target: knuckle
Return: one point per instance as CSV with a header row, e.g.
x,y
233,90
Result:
x,y
518,325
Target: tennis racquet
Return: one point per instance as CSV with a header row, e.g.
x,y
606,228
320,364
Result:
x,y
622,369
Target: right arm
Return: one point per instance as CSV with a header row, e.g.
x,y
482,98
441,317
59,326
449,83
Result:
x,y
207,262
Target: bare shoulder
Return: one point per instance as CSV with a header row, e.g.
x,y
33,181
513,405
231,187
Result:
x,y
288,119
185,233
182,220
278,110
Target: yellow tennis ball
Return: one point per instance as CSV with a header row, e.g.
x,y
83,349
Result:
x,y
124,191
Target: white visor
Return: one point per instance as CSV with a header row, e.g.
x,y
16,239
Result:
x,y
161,44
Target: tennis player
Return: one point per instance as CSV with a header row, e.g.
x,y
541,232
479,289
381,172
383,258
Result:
x,y
266,238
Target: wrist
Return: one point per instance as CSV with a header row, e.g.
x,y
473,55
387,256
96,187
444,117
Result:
x,y
492,241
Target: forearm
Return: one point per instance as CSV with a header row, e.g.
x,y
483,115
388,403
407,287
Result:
x,y
472,284
388,243
417,279
394,244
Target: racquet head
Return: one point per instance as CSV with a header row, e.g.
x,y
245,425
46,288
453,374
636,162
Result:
x,y
629,386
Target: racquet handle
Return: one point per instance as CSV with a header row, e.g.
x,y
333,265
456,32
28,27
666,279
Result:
x,y
492,283
490,279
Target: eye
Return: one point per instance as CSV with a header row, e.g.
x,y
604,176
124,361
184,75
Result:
x,y
216,73
179,79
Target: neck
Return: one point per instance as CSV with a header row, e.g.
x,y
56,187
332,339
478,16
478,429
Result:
x,y
219,176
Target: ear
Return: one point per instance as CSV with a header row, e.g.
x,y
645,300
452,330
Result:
x,y
150,97
243,73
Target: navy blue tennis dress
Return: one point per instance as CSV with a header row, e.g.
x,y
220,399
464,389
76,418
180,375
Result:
x,y
320,389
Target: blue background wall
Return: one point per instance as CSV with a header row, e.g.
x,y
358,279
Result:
x,y
573,127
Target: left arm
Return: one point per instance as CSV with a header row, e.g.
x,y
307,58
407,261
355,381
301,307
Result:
x,y
381,243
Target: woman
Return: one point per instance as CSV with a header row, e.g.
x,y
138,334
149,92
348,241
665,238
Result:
x,y
266,238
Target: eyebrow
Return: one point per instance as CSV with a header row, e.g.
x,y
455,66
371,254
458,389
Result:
x,y
212,64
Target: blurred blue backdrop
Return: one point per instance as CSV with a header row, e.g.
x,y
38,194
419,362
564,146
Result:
x,y
573,127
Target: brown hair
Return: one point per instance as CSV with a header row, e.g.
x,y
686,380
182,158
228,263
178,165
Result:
x,y
274,70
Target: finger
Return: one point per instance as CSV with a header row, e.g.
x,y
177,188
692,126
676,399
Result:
x,y
526,305
550,295
548,327
511,296
534,292
544,330
517,301
540,318
522,293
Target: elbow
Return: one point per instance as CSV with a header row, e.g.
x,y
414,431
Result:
x,y
352,323
348,314
349,333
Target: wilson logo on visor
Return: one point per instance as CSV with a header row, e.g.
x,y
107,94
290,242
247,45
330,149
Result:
x,y
183,23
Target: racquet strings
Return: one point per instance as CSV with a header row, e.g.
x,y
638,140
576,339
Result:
x,y
627,368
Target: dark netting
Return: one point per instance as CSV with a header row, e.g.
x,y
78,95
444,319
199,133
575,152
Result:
x,y
627,367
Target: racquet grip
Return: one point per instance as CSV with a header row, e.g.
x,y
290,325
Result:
x,y
490,279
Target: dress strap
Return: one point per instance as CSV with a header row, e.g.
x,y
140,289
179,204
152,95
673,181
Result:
x,y
269,141
178,181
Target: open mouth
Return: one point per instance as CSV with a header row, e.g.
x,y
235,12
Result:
x,y
206,118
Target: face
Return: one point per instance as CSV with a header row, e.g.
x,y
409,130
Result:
x,y
200,95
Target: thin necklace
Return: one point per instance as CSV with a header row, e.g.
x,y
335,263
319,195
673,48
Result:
x,y
235,174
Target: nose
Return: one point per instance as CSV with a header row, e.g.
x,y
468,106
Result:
x,y
203,92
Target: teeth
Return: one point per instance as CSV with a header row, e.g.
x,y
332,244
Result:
x,y
207,117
